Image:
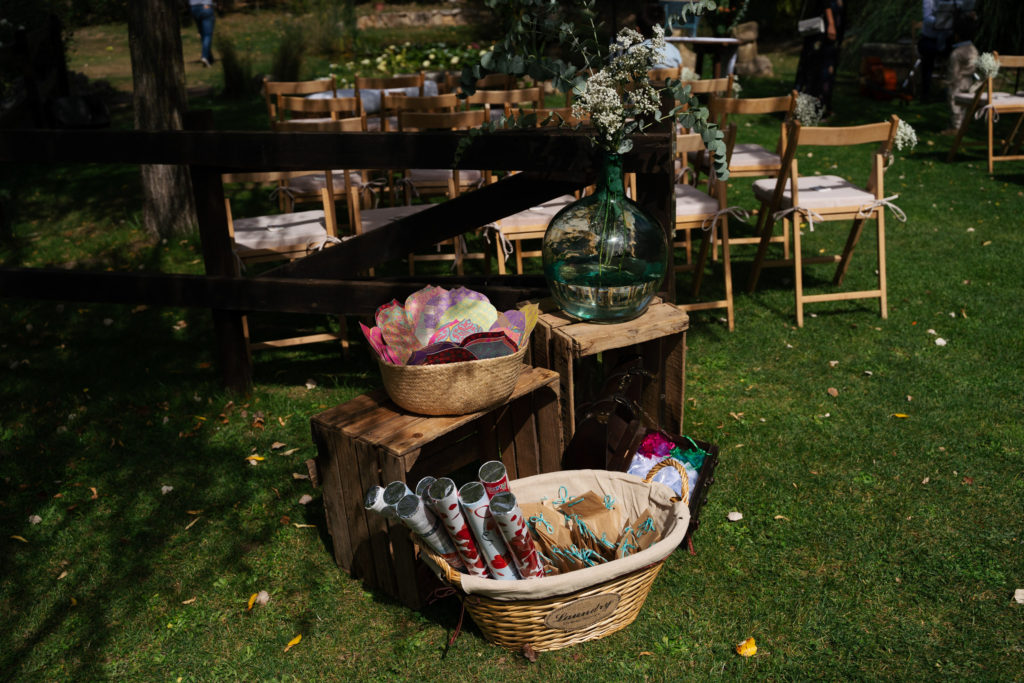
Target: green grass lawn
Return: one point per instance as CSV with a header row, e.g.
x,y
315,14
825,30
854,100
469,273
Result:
x,y
881,533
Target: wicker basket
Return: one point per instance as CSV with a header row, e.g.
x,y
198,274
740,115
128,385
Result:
x,y
453,388
561,620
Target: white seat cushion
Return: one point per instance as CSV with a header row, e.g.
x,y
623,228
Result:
x,y
371,219
751,155
286,230
999,99
534,219
440,176
313,183
692,202
817,192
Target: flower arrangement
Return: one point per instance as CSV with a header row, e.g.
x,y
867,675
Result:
x,y
406,57
906,136
987,65
808,109
609,80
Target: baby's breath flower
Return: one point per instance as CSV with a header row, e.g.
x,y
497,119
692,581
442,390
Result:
x,y
987,65
906,136
808,109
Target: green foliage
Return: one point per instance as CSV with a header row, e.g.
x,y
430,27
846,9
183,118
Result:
x,y
286,64
239,80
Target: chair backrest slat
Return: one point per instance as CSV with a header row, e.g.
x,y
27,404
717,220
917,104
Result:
x,y
458,120
828,136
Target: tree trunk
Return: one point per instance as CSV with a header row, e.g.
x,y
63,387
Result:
x,y
158,77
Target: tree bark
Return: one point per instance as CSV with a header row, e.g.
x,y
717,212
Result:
x,y
158,78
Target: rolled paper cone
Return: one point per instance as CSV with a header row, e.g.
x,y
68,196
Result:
x,y
394,492
374,500
444,498
493,476
476,506
425,524
423,485
509,517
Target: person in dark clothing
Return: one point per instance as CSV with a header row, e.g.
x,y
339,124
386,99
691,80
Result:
x,y
819,59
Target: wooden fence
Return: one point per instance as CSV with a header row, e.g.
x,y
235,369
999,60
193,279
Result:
x,y
552,163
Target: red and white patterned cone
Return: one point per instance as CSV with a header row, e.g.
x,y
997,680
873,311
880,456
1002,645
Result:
x,y
476,506
493,476
428,527
444,498
509,517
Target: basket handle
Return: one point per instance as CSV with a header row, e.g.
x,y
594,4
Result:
x,y
439,565
670,461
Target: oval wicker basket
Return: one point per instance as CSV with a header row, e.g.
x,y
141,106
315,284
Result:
x,y
612,604
453,388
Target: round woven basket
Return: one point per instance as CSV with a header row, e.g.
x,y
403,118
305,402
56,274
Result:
x,y
453,388
614,603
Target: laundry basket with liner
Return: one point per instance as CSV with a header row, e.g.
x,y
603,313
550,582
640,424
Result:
x,y
453,388
554,612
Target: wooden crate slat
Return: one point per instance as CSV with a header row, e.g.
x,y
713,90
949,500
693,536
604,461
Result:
x,y
377,531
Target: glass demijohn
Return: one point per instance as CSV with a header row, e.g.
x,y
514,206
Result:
x,y
604,257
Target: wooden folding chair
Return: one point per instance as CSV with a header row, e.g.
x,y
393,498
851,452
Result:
x,y
500,102
377,87
282,237
274,90
708,212
302,188
992,104
817,199
750,160
297,113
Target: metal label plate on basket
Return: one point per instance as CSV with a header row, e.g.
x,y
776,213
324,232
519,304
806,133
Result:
x,y
582,613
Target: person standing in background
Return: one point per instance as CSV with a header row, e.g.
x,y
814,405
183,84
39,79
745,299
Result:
x,y
963,60
202,12
937,18
819,59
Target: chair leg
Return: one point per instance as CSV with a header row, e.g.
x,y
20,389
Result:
x,y
991,131
501,255
702,258
727,268
798,272
851,241
764,228
519,257
883,303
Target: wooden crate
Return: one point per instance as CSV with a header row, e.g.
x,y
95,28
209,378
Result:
x,y
562,343
370,441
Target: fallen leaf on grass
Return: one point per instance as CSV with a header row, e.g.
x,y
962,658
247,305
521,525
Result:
x,y
304,526
782,518
166,489
735,416
967,481
190,524
296,475
277,445
833,392
193,512
293,642
735,516
926,480
748,648
189,601
34,519
833,363
255,458
290,451
940,341
900,415
252,601
645,653
95,495
62,575
305,499
311,384
1018,596
74,602
19,538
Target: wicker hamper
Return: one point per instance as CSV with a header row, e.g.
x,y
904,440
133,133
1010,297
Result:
x,y
558,611
453,388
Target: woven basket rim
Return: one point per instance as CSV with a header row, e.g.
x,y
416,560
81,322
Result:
x,y
654,555
462,363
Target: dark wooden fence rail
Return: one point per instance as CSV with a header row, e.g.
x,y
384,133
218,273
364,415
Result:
x,y
553,162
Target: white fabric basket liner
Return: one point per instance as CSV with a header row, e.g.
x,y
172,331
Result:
x,y
632,496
